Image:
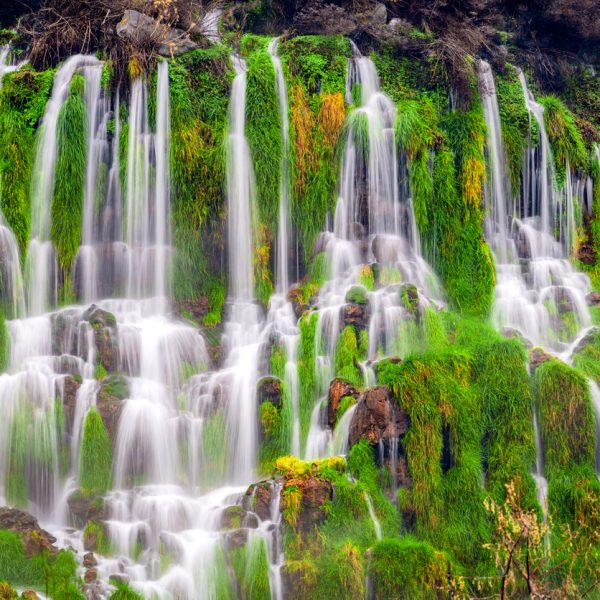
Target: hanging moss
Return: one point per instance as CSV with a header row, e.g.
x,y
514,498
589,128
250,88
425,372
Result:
x,y
306,372
567,421
67,203
95,466
514,121
316,72
214,450
347,356
565,139
22,100
199,94
408,568
509,446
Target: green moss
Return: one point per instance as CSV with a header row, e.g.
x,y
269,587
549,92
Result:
x,y
23,97
55,575
567,421
347,356
515,122
565,139
357,294
255,579
199,94
509,447
316,72
95,466
587,359
94,536
408,568
67,203
124,592
306,372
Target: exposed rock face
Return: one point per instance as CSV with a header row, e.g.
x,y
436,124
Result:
x,y
34,539
380,421
588,339
377,417
356,315
315,492
109,401
106,337
68,388
295,297
338,389
269,390
259,498
143,30
85,508
593,299
537,356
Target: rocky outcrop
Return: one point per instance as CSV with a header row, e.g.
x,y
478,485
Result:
x,y
588,339
538,356
593,299
377,417
106,337
143,30
382,423
314,492
67,388
338,389
259,498
34,539
195,309
109,402
269,390
84,508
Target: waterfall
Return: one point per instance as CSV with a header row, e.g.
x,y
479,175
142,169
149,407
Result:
x,y
11,279
375,521
538,475
41,267
595,393
535,280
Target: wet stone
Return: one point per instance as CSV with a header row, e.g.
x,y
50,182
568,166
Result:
x,y
338,389
538,356
106,338
89,560
35,540
269,390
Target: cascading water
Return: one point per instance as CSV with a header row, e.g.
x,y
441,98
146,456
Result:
x,y
11,280
373,223
595,394
535,280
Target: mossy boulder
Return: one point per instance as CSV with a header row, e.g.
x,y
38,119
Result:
x,y
259,499
85,507
34,539
232,517
357,294
106,337
114,389
269,390
409,298
537,357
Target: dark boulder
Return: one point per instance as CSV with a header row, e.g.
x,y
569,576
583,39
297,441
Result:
x,y
314,492
269,390
106,337
259,498
113,391
67,389
355,315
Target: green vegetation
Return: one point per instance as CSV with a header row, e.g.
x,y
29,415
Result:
x,y
4,344
54,575
316,71
566,141
307,375
67,203
199,94
22,101
95,466
347,356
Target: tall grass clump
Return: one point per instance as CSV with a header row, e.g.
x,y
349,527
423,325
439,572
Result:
x,y
95,462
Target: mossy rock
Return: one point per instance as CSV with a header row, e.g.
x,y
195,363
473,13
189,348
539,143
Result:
x,y
409,298
357,294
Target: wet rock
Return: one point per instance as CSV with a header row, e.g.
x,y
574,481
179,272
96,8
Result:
x,y
84,508
92,537
377,417
587,340
269,390
28,595
260,496
68,388
232,517
250,521
114,389
563,299
91,575
356,315
409,298
68,365
314,493
510,333
143,30
195,309
523,246
236,539
300,306
106,338
593,299
338,389
319,18
538,356
89,560
382,423
357,294
34,539
67,335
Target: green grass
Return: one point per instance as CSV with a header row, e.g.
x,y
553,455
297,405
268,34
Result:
x,y
67,203
22,101
347,354
95,461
